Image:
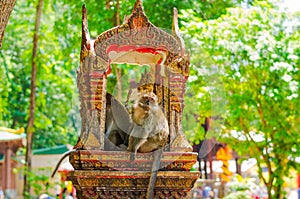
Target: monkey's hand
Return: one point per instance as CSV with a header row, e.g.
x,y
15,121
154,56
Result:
x,y
138,136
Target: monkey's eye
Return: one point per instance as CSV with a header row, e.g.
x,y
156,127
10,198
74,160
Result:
x,y
152,100
147,101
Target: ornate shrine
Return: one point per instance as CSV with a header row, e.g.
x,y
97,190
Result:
x,y
105,171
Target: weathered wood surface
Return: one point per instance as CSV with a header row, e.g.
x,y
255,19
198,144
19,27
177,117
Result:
x,y
120,160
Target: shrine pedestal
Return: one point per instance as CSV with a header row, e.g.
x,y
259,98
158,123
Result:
x,y
111,174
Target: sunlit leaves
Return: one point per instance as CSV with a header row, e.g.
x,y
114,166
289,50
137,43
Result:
x,y
258,51
55,82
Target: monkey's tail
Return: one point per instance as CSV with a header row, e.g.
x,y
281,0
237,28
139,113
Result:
x,y
66,154
154,171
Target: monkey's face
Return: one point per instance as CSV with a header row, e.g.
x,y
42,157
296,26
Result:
x,y
148,100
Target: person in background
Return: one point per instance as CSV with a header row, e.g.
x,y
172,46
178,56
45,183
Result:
x,y
45,196
299,186
1,193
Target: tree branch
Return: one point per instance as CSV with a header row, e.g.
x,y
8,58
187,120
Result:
x,y
30,126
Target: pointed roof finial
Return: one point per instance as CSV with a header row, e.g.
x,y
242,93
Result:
x,y
84,17
85,40
138,4
175,30
175,27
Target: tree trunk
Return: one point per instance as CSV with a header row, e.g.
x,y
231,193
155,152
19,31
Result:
x,y
269,190
30,126
119,83
277,187
118,12
117,70
278,191
279,182
6,7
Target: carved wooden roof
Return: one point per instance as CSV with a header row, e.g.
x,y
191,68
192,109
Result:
x,y
136,34
136,41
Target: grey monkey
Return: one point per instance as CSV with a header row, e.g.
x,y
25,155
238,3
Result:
x,y
150,132
117,125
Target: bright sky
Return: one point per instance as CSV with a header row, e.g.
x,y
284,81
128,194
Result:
x,y
293,5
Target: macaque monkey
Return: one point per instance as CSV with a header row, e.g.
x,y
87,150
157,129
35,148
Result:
x,y
150,132
117,124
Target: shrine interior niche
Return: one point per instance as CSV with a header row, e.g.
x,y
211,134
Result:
x,y
105,165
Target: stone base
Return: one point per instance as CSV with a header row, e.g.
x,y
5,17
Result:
x,y
111,174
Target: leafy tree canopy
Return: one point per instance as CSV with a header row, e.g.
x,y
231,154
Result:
x,y
257,50
56,117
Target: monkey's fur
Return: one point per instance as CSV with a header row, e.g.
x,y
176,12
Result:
x,y
117,123
150,132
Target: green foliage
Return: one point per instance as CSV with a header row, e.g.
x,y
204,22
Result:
x,y
39,182
257,52
240,188
56,118
129,73
192,120
238,195
55,79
